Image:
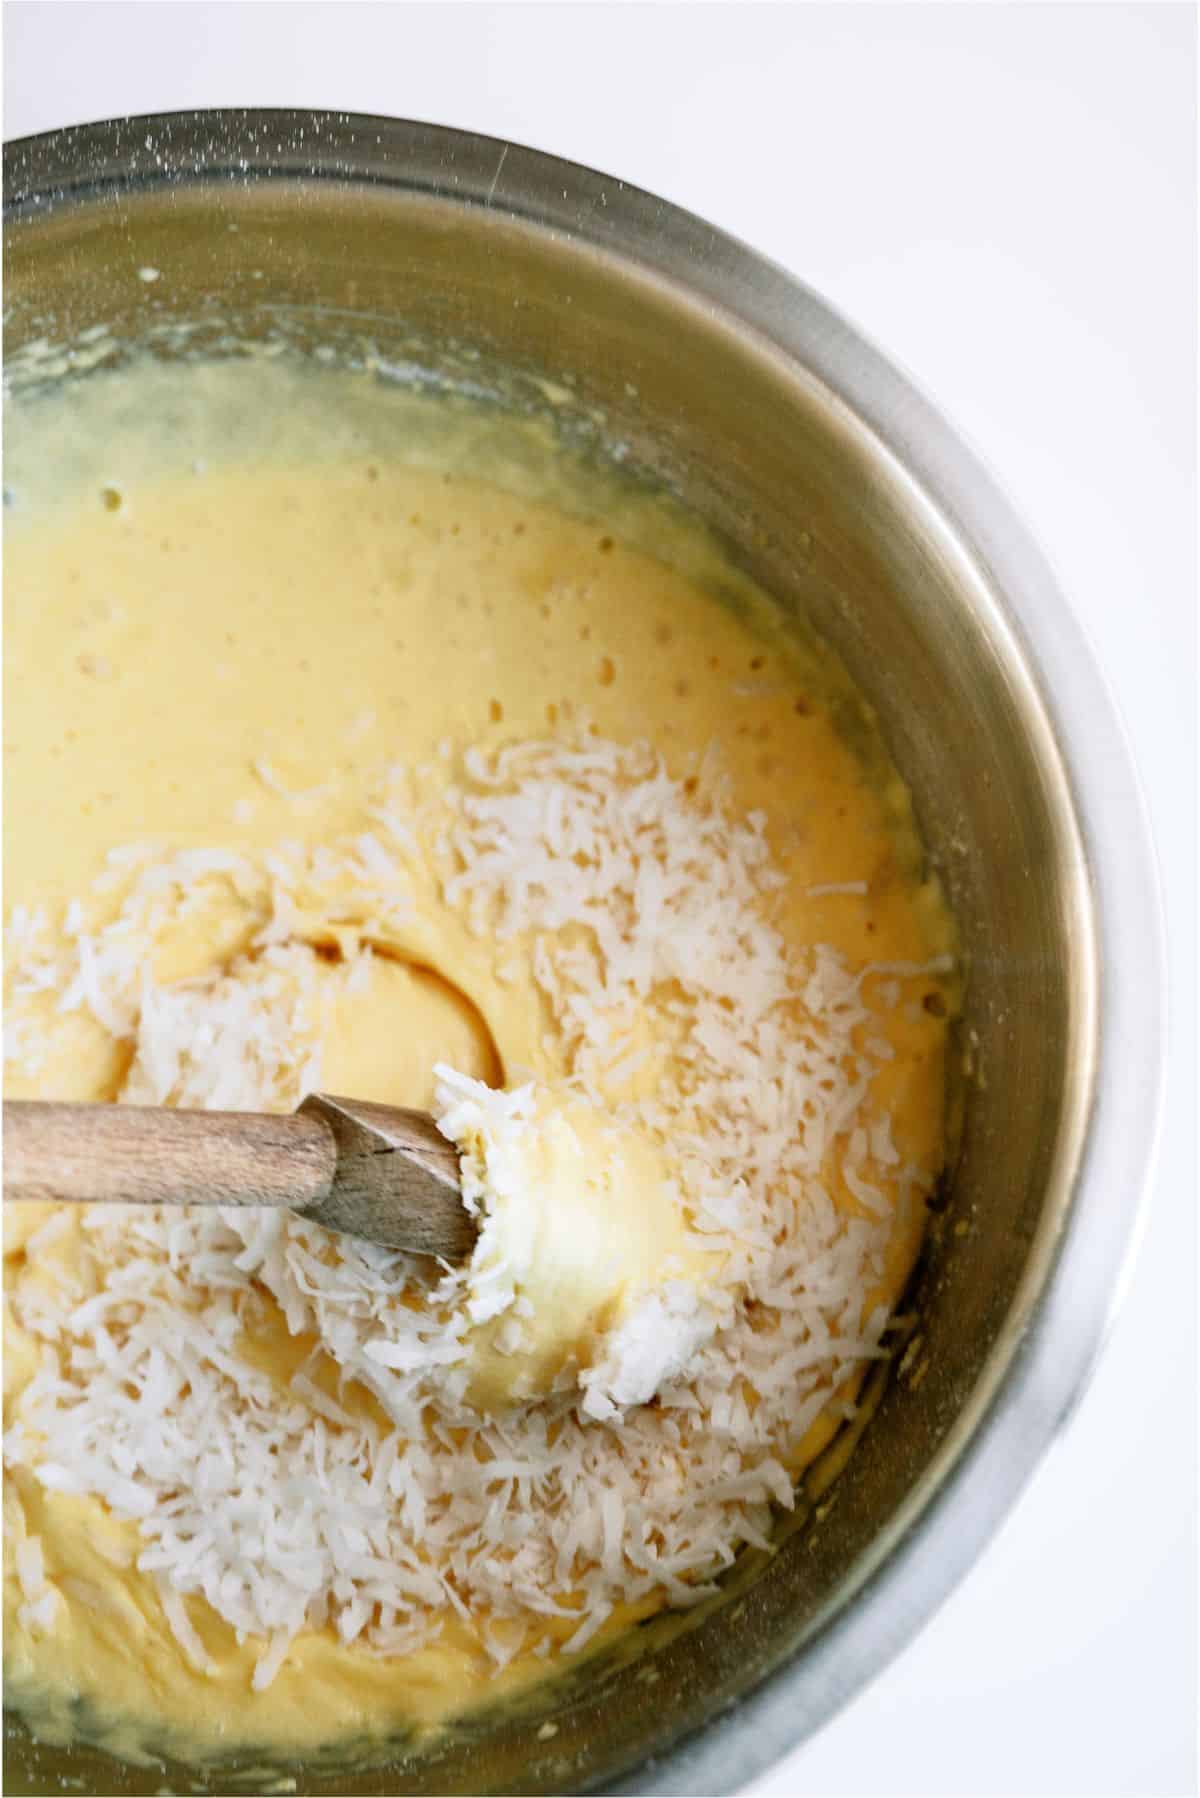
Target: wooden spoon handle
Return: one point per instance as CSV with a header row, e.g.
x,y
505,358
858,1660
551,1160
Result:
x,y
147,1155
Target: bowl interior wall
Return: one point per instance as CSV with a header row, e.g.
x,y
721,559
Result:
x,y
816,509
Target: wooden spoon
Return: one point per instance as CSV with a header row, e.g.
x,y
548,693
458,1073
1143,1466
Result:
x,y
368,1170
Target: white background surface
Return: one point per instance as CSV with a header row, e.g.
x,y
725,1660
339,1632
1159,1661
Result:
x,y
1004,198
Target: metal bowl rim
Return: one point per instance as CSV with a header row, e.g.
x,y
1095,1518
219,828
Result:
x,y
1052,1348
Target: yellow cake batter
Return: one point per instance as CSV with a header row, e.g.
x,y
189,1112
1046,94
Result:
x,y
270,615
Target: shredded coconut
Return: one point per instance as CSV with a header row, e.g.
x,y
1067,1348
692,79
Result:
x,y
294,1508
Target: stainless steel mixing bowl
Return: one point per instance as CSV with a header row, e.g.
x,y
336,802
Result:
x,y
843,492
